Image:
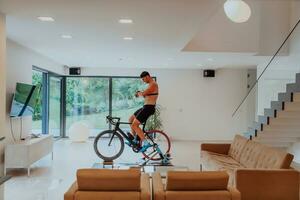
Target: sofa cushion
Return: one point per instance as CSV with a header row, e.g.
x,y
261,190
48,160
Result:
x,y
237,147
198,195
217,162
94,195
196,181
214,161
250,154
108,180
271,158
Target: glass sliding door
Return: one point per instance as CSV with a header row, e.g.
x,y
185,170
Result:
x,y
124,102
87,101
55,100
37,117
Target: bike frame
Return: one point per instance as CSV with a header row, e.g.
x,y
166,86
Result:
x,y
118,130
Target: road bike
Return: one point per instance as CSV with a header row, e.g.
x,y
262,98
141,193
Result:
x,y
109,144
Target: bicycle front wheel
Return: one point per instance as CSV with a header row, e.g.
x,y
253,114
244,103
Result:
x,y
159,140
109,145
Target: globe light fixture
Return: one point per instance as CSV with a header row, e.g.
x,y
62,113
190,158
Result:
x,y
237,11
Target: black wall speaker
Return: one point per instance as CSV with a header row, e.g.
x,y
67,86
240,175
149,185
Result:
x,y
209,73
74,71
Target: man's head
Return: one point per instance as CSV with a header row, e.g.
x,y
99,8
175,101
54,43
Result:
x,y
145,76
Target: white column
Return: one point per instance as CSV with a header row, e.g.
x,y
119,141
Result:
x,y
2,92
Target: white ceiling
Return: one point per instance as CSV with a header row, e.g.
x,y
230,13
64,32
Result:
x,y
167,33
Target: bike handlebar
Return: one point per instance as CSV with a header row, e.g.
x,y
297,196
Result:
x,y
113,120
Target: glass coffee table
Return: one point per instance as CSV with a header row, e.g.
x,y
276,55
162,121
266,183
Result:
x,y
149,168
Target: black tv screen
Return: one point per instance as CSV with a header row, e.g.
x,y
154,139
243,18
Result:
x,y
24,100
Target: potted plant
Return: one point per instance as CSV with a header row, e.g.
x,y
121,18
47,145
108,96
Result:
x,y
155,122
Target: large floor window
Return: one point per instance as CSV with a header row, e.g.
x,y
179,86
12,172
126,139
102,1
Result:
x,y
55,107
37,126
87,100
47,117
124,102
91,99
66,100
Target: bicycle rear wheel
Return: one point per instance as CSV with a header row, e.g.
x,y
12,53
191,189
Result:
x,y
109,145
162,142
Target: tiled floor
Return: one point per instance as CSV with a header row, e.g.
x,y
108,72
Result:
x,y
50,179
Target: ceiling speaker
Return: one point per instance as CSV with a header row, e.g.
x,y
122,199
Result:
x,y
209,73
74,71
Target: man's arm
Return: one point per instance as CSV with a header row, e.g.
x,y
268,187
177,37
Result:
x,y
151,89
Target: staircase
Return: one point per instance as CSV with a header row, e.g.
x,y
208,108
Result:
x,y
280,125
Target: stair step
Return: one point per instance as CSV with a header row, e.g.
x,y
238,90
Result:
x,y
251,131
283,121
298,78
247,135
277,105
291,127
278,134
276,144
287,133
286,97
288,114
262,119
276,139
292,87
269,112
257,126
292,106
296,97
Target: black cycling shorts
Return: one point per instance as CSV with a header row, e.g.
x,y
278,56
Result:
x,y
144,113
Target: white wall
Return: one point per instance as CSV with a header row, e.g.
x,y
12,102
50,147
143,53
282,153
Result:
x,y
194,108
19,69
272,34
2,93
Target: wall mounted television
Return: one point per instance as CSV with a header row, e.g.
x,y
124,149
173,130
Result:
x,y
24,100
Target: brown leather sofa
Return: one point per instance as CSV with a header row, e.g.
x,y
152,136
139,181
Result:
x,y
106,184
193,185
259,172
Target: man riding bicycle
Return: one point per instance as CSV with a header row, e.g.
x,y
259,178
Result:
x,y
141,115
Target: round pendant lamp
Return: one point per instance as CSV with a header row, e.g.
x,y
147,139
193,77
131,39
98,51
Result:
x,y
237,11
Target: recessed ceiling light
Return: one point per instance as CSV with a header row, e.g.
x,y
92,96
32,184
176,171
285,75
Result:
x,y
46,19
66,36
125,21
127,38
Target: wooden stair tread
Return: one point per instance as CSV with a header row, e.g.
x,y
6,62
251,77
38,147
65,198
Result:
x,y
296,97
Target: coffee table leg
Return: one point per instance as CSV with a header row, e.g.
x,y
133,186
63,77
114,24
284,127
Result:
x,y
28,171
